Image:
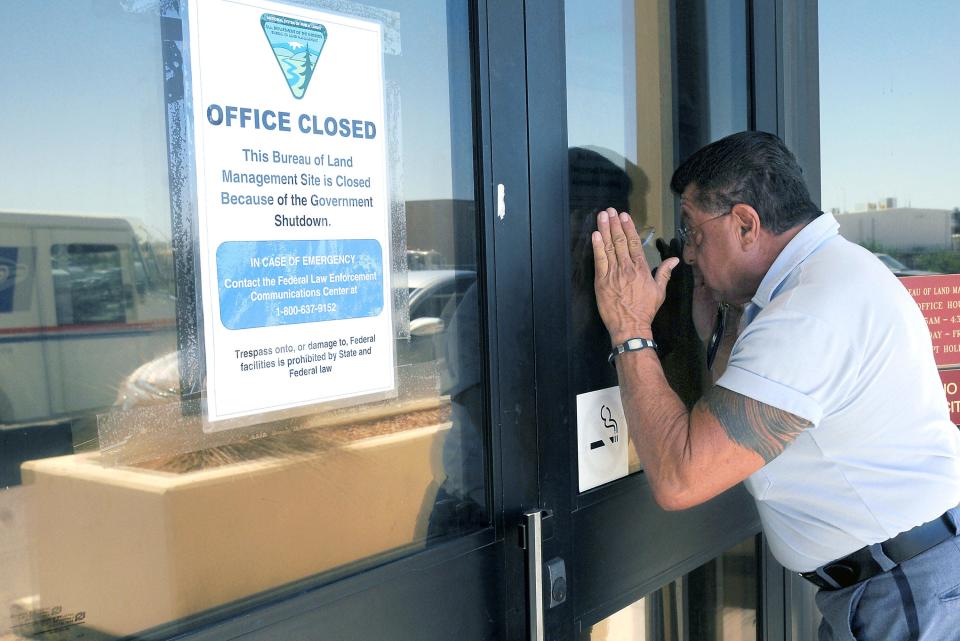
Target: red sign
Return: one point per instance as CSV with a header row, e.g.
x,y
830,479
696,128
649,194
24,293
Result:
x,y
939,300
951,387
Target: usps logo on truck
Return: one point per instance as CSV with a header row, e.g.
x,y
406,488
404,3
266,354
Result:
x,y
15,269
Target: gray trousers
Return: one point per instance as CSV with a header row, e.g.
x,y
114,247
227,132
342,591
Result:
x,y
919,600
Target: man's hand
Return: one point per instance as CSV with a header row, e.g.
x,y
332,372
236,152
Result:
x,y
628,296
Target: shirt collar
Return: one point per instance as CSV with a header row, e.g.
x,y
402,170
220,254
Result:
x,y
808,240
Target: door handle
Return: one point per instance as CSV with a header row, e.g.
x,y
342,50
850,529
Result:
x,y
532,543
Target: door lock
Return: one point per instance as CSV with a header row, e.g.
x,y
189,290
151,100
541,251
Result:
x,y
556,581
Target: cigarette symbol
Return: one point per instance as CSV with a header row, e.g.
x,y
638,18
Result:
x,y
606,415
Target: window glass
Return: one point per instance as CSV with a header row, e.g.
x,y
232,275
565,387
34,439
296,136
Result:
x,y
16,279
888,134
888,141
712,72
620,136
718,601
105,470
634,110
88,284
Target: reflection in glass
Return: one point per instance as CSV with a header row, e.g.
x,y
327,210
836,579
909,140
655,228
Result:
x,y
89,359
716,602
634,109
595,183
712,72
88,284
619,132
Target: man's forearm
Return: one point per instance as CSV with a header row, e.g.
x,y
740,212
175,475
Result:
x,y
658,422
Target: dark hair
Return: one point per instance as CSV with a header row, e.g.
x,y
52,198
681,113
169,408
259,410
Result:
x,y
751,167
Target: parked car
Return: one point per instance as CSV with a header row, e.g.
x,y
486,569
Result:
x,y
434,295
898,268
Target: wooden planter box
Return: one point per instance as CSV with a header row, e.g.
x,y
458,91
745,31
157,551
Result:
x,y
133,548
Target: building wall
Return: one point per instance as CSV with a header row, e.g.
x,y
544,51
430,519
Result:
x,y
901,228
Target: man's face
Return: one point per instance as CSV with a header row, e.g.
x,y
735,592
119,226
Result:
x,y
710,246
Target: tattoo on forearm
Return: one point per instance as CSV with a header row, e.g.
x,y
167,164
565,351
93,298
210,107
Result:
x,y
756,426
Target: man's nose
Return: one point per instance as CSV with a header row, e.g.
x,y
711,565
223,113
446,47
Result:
x,y
688,253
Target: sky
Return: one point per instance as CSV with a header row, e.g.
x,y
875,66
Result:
x,y
83,123
890,103
82,114
889,97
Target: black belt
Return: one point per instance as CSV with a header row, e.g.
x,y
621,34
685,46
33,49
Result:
x,y
861,565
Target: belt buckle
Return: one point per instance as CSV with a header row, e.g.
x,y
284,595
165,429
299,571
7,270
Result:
x,y
843,574
832,576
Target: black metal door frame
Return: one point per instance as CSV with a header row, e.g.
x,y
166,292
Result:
x,y
617,544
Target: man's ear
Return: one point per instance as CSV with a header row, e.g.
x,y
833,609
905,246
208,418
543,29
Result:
x,y
748,223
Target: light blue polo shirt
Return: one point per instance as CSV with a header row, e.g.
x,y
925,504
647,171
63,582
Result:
x,y
831,336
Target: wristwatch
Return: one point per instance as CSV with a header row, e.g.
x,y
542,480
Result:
x,y
631,345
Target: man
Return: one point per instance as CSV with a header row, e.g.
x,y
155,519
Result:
x,y
826,399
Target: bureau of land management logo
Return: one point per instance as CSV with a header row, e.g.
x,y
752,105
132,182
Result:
x,y
296,45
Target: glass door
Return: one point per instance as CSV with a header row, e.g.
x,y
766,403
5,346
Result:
x,y
644,83
298,131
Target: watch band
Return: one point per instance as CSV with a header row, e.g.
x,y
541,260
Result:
x,y
631,345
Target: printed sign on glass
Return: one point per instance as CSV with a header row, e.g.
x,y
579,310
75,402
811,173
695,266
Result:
x,y
602,438
292,204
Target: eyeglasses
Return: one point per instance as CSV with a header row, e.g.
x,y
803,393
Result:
x,y
694,235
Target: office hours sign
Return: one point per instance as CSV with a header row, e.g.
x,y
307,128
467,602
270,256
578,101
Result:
x,y
292,207
938,297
